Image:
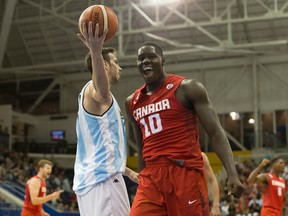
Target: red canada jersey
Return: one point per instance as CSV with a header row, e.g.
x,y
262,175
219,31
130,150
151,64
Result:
x,y
168,128
28,206
273,194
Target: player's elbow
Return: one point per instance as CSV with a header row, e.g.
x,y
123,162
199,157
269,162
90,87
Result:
x,y
35,202
251,180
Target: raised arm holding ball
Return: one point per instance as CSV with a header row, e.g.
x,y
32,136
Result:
x,y
101,136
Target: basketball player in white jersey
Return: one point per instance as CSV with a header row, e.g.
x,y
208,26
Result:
x,y
101,141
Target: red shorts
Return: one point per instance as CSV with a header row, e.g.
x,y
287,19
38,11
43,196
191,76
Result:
x,y
267,211
26,212
166,188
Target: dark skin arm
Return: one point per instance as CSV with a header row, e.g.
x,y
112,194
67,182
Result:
x,y
193,96
137,133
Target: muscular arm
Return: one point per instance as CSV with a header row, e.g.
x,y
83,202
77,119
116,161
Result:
x,y
212,181
137,134
34,186
193,95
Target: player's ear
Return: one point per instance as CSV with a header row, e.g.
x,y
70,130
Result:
x,y
163,61
106,64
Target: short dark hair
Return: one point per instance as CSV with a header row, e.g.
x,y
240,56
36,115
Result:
x,y
105,53
43,162
158,49
274,160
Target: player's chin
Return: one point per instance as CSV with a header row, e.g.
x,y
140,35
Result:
x,y
115,81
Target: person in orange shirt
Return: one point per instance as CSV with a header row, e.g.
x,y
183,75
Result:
x,y
35,193
273,186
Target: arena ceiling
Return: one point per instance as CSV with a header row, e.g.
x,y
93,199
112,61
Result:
x,y
39,44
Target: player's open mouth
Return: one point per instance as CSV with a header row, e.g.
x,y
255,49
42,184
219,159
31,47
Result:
x,y
147,71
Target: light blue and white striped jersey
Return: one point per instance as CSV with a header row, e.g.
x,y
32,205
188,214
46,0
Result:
x,y
101,146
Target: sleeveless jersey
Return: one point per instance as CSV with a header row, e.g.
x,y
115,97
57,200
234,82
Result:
x,y
168,128
273,194
101,146
28,206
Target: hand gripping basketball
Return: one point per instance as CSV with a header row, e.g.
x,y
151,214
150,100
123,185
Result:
x,y
104,16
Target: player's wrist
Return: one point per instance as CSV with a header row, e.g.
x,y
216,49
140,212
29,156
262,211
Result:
x,y
215,205
261,166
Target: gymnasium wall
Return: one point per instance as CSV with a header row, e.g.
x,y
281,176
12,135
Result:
x,y
237,85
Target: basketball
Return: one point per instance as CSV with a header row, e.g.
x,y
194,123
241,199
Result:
x,y
103,15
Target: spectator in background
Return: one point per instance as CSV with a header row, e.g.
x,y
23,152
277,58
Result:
x,y
6,137
2,170
255,204
225,208
232,206
66,184
1,136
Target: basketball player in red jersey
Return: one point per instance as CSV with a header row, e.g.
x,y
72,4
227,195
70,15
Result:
x,y
272,185
35,194
164,115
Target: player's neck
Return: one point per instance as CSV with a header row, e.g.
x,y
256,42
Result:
x,y
150,88
278,174
41,177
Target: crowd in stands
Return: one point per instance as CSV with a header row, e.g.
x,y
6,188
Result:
x,y
18,167
4,136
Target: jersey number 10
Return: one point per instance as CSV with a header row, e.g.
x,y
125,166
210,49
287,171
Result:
x,y
154,124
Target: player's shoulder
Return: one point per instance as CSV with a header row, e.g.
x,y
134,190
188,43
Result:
x,y
193,88
34,180
129,98
135,94
192,83
263,177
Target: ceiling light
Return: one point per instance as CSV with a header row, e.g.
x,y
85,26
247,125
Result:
x,y
234,115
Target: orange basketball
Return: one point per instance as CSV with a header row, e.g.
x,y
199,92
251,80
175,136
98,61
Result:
x,y
103,15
